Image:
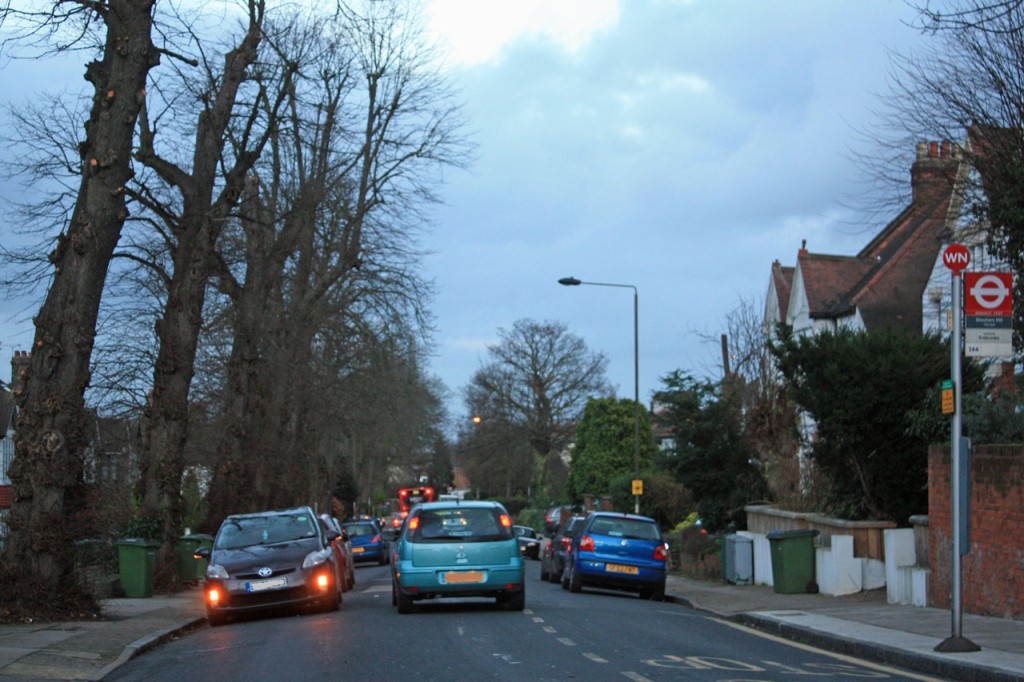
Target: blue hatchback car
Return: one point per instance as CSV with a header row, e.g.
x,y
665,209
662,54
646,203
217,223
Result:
x,y
619,552
457,549
367,543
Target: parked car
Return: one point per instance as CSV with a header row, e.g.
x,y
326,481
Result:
x,y
457,549
343,548
553,557
367,542
529,543
554,517
617,551
270,559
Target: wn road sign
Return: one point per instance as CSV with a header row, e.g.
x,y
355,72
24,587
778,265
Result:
x,y
956,257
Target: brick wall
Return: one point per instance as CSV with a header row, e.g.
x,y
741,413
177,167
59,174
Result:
x,y
992,572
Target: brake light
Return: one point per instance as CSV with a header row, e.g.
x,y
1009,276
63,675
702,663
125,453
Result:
x,y
659,553
213,596
375,540
414,523
566,540
506,522
586,544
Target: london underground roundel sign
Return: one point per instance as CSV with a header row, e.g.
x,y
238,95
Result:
x,y
956,257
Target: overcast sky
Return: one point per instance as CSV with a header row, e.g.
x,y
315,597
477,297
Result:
x,y
679,146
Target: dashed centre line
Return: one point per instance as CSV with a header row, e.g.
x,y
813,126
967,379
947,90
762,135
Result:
x,y
550,630
636,677
566,641
595,658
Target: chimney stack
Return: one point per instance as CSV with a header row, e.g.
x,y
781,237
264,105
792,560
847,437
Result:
x,y
935,168
19,370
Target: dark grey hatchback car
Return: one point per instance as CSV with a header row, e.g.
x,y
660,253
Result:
x,y
270,559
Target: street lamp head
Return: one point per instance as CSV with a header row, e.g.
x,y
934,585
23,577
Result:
x,y
570,282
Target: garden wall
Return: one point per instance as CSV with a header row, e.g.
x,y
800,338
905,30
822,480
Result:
x,y
992,572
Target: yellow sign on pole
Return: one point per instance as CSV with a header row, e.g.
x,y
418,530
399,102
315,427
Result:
x,y
638,486
948,405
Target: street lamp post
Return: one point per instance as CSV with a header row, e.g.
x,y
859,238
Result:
x,y
573,282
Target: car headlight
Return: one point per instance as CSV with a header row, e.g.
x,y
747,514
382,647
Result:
x,y
216,571
316,558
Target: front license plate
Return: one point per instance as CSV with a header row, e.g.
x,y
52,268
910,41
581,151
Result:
x,y
269,584
358,550
618,568
462,577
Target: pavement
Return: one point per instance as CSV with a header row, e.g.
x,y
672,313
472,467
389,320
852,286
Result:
x,y
861,625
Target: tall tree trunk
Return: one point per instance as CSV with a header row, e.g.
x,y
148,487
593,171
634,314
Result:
x,y
50,438
167,419
198,229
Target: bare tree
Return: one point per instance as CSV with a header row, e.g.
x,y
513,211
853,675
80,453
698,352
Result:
x,y
50,438
539,378
324,253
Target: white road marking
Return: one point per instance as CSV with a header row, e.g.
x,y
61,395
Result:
x,y
636,677
566,641
550,630
840,657
595,658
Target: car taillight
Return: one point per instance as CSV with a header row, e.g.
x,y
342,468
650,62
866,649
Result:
x,y
323,581
566,540
586,544
659,553
375,540
213,596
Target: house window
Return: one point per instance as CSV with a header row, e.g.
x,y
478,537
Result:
x,y
6,455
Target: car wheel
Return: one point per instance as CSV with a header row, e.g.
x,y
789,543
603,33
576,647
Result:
x,y
516,600
575,581
565,580
394,594
351,576
545,574
404,602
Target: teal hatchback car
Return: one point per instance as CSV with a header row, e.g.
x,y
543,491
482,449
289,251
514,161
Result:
x,y
457,549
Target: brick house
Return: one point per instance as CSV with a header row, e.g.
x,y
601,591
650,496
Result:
x,y
8,417
110,458
886,283
899,280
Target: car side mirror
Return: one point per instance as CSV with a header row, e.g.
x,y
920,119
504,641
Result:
x,y
201,553
333,535
344,536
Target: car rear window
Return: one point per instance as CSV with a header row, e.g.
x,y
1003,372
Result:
x,y
625,528
355,529
465,524
271,529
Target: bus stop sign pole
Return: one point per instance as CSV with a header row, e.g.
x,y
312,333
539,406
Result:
x,y
956,257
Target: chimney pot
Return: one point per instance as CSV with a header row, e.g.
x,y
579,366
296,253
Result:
x,y
933,150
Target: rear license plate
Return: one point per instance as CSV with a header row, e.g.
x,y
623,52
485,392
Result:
x,y
462,577
270,584
618,568
358,550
